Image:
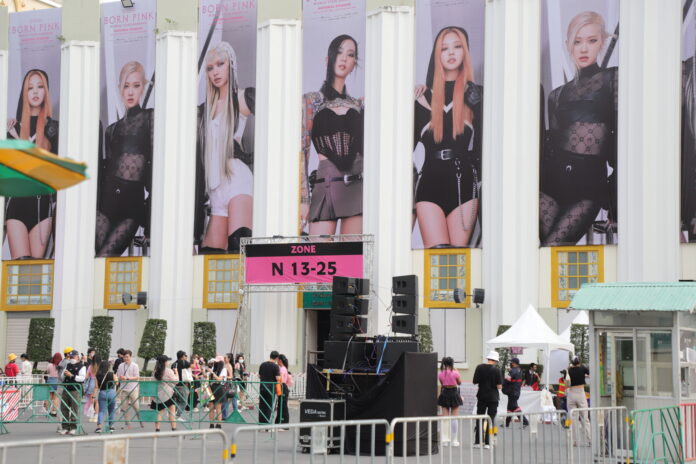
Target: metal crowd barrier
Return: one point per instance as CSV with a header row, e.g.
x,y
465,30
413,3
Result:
x,y
32,404
425,438
657,435
541,437
165,447
307,441
606,438
191,404
688,417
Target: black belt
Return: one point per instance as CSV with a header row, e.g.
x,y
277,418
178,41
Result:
x,y
444,155
346,179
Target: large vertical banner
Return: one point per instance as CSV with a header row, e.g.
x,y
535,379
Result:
x,y
332,134
448,119
225,153
688,171
32,106
126,129
580,89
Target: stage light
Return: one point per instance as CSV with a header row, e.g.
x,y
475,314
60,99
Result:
x,y
127,3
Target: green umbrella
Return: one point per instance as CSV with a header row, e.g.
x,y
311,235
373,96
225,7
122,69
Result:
x,y
26,170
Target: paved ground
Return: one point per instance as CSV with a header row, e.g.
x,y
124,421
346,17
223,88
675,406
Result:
x,y
547,444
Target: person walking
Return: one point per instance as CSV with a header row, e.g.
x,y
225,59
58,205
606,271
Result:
x,y
73,377
166,389
130,391
52,379
230,388
105,391
489,380
269,374
241,376
513,388
90,408
11,368
283,416
449,400
577,399
181,368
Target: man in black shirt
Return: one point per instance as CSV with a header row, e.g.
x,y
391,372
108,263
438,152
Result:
x,y
489,380
269,373
181,395
119,359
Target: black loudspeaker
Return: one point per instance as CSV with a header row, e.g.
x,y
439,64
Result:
x,y
348,305
404,324
404,304
347,325
479,295
350,286
336,352
405,285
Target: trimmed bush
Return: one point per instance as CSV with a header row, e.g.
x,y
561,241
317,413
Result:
x,y
152,343
505,353
580,338
425,339
100,335
40,339
204,339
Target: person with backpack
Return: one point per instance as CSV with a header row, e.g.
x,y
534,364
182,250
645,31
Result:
x,y
512,388
73,376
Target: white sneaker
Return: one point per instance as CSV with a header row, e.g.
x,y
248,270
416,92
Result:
x,y
445,442
62,432
486,446
72,432
476,445
455,443
195,409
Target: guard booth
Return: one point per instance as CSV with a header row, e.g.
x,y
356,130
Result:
x,y
642,343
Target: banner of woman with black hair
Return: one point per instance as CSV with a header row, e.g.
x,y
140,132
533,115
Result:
x,y
578,156
225,149
448,119
34,91
332,137
126,129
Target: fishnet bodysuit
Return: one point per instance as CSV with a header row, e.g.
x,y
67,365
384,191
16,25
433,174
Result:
x,y
127,172
582,119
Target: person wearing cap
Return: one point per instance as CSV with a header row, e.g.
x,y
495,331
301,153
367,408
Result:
x,y
11,368
65,361
577,399
512,388
165,390
73,376
489,380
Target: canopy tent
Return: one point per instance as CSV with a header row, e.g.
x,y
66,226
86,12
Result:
x,y
531,331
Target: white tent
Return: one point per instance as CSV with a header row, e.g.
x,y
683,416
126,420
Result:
x,y
531,331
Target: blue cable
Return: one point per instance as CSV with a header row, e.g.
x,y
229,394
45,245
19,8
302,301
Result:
x,y
379,365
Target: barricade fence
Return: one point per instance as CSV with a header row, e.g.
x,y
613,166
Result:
x,y
688,418
35,403
599,435
657,435
364,440
210,446
542,437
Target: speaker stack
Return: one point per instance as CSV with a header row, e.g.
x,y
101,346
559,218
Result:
x,y
348,307
405,304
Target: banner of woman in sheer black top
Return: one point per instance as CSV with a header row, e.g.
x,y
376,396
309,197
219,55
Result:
x,y
448,115
688,166
126,129
225,149
32,106
579,113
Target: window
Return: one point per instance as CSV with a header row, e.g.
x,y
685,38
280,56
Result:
x,y
221,286
27,285
570,268
446,270
123,275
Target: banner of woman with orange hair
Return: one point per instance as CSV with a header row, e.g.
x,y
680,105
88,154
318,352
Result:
x,y
32,106
448,117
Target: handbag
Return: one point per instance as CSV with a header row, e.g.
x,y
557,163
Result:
x,y
186,375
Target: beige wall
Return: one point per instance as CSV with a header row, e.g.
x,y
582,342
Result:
x,y
27,5
688,261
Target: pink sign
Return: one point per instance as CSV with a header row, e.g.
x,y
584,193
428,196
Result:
x,y
299,263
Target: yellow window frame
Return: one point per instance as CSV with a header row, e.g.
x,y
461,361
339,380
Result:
x,y
206,281
107,281
428,303
25,307
555,251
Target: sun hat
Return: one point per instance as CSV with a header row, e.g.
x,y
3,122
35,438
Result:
x,y
12,357
493,356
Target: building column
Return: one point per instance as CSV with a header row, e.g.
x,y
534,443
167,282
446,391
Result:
x,y
649,146
510,186
270,321
76,208
388,173
4,47
174,167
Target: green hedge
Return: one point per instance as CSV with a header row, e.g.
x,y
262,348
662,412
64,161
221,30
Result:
x,y
152,343
40,339
100,335
204,339
425,339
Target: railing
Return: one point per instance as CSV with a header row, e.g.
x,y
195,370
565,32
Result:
x,y
41,403
688,417
600,435
657,435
